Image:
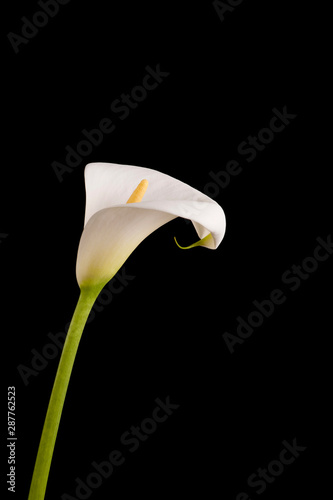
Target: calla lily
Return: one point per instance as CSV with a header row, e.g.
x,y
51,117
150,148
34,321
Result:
x,y
124,205
116,221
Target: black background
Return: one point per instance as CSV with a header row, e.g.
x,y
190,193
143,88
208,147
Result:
x,y
225,79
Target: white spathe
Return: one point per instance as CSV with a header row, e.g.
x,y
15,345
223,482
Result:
x,y
113,229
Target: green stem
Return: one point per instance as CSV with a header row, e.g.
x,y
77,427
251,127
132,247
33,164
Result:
x,y
56,403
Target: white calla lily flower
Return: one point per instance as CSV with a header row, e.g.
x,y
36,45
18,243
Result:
x,y
117,221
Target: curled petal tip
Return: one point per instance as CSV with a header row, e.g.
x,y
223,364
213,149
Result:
x,y
204,242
